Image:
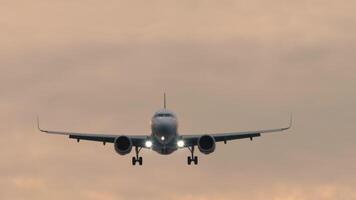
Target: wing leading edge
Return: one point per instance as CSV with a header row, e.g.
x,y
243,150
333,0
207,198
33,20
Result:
x,y
137,140
192,140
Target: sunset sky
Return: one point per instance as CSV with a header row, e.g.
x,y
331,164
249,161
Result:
x,y
226,65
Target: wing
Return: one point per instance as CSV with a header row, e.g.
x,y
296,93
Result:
x,y
137,140
192,140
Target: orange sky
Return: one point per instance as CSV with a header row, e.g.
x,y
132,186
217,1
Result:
x,y
226,66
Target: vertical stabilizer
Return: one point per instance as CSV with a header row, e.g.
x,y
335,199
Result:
x,y
164,101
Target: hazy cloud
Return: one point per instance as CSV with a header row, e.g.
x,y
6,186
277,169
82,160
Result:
x,y
226,65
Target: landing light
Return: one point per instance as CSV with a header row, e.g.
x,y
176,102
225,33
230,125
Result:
x,y
148,144
180,143
162,138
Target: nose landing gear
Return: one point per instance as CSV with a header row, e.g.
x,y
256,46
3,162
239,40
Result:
x,y
192,158
137,158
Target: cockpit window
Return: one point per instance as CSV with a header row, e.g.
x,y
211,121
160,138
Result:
x,y
164,115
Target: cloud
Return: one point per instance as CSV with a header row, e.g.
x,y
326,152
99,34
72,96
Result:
x,y
28,183
226,66
95,195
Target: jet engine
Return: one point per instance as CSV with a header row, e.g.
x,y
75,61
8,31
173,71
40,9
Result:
x,y
206,144
123,145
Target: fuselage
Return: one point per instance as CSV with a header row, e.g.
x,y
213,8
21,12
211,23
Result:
x,y
164,136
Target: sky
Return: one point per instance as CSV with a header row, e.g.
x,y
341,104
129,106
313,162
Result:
x,y
227,65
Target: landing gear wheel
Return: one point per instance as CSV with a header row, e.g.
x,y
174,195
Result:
x,y
133,161
195,160
140,160
189,160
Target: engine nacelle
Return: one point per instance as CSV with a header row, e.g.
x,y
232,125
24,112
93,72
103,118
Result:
x,y
123,145
206,144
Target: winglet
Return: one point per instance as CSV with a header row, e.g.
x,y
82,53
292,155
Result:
x,y
290,121
38,124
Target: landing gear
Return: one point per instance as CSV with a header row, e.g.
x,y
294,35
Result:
x,y
137,158
192,158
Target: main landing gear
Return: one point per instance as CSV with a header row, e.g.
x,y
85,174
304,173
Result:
x,y
137,158
192,158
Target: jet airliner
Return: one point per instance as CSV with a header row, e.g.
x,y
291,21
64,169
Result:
x,y
164,138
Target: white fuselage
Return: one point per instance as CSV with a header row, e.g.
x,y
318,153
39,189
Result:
x,y
164,126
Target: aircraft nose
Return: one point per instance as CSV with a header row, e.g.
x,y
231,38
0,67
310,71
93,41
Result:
x,y
164,130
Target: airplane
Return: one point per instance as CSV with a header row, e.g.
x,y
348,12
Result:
x,y
164,138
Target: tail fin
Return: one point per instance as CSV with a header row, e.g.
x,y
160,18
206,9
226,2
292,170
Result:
x,y
164,101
